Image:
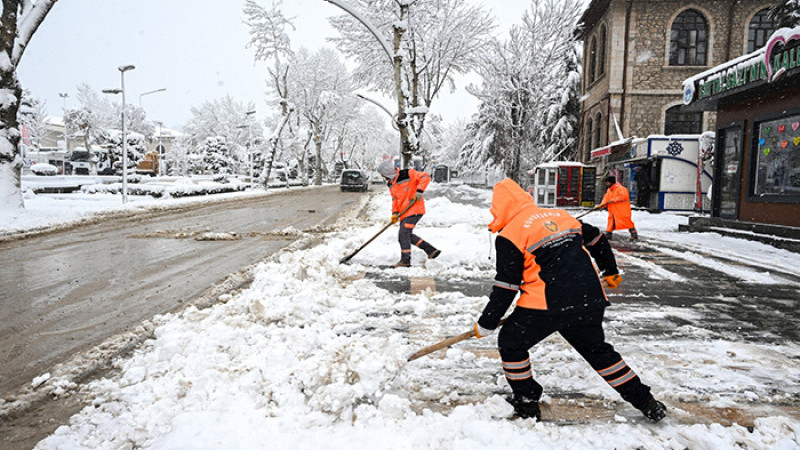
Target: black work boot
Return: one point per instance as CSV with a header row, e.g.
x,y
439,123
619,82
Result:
x,y
434,254
402,263
525,407
654,410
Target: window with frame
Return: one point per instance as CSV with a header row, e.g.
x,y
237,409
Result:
x,y
679,122
777,157
592,59
598,130
601,62
588,139
760,29
688,44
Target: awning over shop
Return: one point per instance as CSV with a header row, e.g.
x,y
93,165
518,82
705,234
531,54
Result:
x,y
613,149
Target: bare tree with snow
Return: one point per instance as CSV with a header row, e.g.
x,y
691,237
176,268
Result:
x,y
321,89
523,85
93,117
431,42
269,38
19,20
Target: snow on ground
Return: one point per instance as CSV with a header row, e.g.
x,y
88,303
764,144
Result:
x,y
313,355
48,210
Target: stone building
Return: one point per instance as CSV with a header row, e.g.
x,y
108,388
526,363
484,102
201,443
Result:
x,y
638,52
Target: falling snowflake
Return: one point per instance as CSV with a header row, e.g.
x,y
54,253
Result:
x,y
674,148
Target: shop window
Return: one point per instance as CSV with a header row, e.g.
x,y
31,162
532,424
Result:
x,y
592,60
678,122
601,61
688,45
588,139
761,28
777,159
598,130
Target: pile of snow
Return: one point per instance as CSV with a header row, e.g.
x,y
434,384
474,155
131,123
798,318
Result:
x,y
59,210
172,189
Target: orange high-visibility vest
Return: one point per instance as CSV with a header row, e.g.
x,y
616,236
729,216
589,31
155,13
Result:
x,y
531,229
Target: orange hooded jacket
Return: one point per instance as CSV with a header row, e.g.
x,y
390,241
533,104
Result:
x,y
558,272
405,184
618,202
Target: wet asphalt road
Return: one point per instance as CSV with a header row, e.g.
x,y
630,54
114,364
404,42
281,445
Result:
x,y
728,306
67,291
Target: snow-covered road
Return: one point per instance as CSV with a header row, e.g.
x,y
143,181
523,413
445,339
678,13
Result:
x,y
313,354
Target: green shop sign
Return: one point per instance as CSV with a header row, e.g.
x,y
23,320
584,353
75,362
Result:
x,y
766,64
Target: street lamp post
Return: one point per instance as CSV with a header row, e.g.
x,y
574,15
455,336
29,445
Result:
x,y
160,150
148,93
64,96
250,144
160,153
122,70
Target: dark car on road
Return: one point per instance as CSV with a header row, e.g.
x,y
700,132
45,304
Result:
x,y
354,180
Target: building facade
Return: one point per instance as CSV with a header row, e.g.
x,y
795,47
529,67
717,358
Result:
x,y
757,154
638,52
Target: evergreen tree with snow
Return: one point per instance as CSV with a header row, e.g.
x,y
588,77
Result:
x,y
32,116
224,119
217,158
135,146
560,128
786,13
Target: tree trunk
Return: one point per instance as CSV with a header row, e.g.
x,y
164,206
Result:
x,y
301,162
406,148
10,160
13,42
318,158
274,140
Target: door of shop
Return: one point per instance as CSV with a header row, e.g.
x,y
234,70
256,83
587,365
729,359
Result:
x,y
728,172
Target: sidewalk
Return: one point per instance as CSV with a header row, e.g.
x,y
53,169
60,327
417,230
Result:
x,y
313,354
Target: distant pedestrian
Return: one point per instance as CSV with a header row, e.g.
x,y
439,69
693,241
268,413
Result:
x,y
405,186
546,255
618,202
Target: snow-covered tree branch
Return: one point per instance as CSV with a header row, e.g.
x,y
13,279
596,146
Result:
x,y
432,42
529,91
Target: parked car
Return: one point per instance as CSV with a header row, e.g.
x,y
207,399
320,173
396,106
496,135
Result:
x,y
354,180
44,169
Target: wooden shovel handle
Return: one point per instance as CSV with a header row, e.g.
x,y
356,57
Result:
x,y
447,343
350,256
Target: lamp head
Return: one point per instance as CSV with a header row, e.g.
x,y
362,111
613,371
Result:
x,y
126,68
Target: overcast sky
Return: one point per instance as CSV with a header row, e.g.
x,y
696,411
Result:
x,y
193,48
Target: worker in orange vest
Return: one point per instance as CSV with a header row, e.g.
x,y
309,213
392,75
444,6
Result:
x,y
405,186
618,202
546,256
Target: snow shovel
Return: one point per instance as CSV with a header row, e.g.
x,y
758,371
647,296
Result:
x,y
598,207
348,257
447,343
